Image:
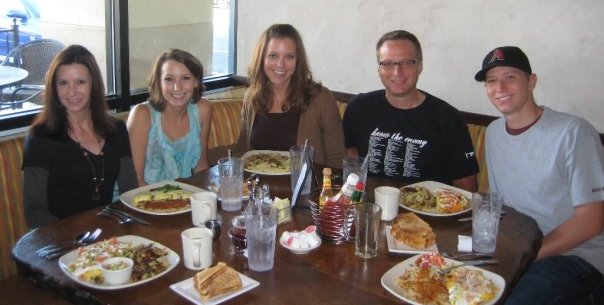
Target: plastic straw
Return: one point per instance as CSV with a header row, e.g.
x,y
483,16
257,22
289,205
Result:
x,y
303,152
364,165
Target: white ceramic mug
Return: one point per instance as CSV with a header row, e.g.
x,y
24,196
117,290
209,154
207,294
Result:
x,y
197,248
203,207
387,198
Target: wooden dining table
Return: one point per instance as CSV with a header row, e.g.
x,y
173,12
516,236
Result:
x,y
330,274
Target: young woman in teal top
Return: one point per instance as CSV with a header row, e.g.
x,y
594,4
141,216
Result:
x,y
169,133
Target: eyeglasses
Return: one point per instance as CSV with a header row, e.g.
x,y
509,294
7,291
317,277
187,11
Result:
x,y
390,65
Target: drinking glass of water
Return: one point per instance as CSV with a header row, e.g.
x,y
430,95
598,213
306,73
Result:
x,y
486,209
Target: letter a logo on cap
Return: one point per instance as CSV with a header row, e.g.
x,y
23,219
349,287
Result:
x,y
497,55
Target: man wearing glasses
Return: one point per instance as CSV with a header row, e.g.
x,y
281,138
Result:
x,y
407,133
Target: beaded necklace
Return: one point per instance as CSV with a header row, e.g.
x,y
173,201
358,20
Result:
x,y
96,180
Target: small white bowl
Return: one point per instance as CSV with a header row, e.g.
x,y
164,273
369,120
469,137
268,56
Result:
x,y
283,242
116,270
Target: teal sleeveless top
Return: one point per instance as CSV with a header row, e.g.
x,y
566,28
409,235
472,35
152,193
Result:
x,y
167,159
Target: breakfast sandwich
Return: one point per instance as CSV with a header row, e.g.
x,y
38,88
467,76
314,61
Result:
x,y
217,280
411,230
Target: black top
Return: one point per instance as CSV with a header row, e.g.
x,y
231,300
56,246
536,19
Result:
x,y
70,185
275,131
428,142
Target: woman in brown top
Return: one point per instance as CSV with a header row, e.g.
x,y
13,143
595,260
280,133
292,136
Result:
x,y
284,106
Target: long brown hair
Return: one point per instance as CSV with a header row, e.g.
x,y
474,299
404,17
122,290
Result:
x,y
156,97
301,89
52,121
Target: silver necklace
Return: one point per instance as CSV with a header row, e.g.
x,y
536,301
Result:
x,y
96,180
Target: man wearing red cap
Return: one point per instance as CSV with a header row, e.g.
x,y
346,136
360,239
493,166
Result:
x,y
550,166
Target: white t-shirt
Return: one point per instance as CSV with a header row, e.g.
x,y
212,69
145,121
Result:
x,y
548,170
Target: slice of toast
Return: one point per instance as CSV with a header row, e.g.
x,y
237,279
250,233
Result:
x,y
217,280
408,228
204,278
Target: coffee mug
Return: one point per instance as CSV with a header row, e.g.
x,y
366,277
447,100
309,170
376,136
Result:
x,y
197,248
203,207
387,198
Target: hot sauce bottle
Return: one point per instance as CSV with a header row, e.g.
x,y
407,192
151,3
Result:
x,y
344,197
327,191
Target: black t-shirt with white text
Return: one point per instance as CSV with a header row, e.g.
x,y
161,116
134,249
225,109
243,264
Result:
x,y
428,142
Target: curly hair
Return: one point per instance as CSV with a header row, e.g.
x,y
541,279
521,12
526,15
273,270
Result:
x,y
53,118
156,97
302,87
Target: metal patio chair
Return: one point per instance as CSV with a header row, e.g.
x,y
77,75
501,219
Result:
x,y
35,57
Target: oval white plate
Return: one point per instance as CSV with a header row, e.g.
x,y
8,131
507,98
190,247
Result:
x,y
432,186
256,152
128,197
389,283
72,256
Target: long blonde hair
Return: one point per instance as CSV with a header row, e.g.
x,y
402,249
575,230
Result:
x,y
302,87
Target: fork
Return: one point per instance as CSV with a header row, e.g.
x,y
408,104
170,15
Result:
x,y
444,271
467,256
121,219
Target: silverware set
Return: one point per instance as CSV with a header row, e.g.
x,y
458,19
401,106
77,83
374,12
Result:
x,y
121,216
53,251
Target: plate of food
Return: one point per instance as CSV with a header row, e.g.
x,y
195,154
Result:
x,y
435,199
214,285
151,260
163,198
266,162
416,280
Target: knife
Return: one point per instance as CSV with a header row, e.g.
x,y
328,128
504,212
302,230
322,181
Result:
x,y
122,213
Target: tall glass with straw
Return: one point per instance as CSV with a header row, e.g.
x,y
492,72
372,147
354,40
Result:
x,y
298,154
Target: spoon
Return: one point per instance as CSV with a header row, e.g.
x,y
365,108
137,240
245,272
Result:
x,y
49,248
86,241
60,250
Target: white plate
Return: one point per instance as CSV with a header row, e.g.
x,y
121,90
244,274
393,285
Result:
x,y
400,247
187,290
388,279
128,197
256,152
433,186
72,256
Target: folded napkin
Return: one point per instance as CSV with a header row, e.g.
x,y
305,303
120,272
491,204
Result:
x,y
464,243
